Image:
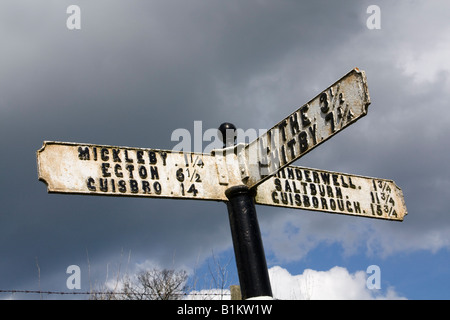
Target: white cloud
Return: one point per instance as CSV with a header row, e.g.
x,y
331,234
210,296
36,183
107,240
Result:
x,y
334,284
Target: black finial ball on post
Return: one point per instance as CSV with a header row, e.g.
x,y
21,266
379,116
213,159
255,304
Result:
x,y
227,134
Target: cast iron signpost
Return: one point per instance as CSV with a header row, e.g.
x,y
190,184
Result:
x,y
240,175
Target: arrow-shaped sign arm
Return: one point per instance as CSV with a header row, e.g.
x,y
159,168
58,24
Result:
x,y
80,168
333,192
332,110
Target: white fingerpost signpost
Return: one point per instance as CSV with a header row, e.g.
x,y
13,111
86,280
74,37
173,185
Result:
x,y
240,175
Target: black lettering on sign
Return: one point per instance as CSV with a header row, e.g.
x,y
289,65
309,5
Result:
x,y
164,156
193,190
351,184
304,117
290,173
122,186
142,172
118,155
152,157
322,190
330,192
312,188
104,154
315,202
305,190
282,127
115,154
340,205
278,184
357,207
319,190
283,155
157,187
325,177
130,169
91,184
293,121
343,183
307,178
298,174
104,185
287,187
298,200
303,141
83,154
324,203
134,186
338,192
306,202
154,172
349,206
335,179
137,172
284,198
140,156
146,187
312,131
105,167
316,177
275,197
127,159
330,118
332,204
323,102
180,175
290,145
118,171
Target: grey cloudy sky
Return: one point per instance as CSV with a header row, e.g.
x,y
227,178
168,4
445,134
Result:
x,y
138,70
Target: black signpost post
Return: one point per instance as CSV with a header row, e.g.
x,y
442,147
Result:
x,y
248,247
247,242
